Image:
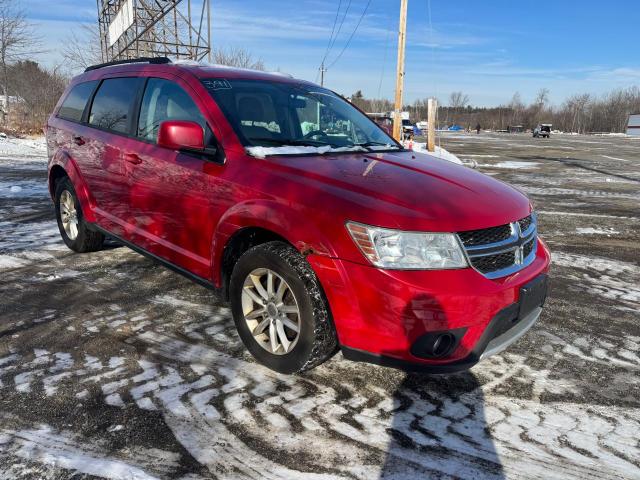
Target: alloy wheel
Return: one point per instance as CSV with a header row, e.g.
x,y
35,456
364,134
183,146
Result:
x,y
271,311
69,215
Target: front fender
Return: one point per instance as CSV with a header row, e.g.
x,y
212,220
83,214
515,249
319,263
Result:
x,y
276,217
87,202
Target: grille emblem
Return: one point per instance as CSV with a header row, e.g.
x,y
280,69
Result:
x,y
499,251
519,252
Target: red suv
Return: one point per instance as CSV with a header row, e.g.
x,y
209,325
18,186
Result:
x,y
322,231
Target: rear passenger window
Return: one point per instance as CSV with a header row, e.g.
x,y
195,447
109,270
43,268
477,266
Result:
x,y
73,106
165,100
112,104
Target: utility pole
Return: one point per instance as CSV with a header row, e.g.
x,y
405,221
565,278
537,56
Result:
x,y
432,107
322,70
402,33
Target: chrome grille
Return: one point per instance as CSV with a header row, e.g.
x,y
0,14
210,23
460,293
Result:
x,y
486,235
499,251
492,263
528,248
525,223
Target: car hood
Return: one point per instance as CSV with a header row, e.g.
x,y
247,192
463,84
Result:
x,y
406,190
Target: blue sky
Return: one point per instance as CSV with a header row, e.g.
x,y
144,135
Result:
x,y
487,49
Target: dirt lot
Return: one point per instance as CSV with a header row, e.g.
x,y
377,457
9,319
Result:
x,y
113,366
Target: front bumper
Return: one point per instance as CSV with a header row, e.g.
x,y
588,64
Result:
x,y
381,315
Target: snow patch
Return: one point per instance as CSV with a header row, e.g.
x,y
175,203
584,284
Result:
x,y
25,189
615,158
438,153
607,278
596,231
263,152
8,262
43,445
23,146
510,164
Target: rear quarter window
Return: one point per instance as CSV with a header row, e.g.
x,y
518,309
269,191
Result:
x,y
73,106
113,102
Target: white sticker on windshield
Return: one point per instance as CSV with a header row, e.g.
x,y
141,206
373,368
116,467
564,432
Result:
x,y
216,84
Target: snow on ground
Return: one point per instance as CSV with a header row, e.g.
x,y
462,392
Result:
x,y
22,147
512,165
115,367
262,152
596,231
439,152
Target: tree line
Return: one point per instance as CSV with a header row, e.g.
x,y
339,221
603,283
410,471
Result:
x,y
580,113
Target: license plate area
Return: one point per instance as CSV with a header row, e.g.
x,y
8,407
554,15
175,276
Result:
x,y
532,295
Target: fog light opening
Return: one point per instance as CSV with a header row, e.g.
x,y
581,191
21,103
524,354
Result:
x,y
443,344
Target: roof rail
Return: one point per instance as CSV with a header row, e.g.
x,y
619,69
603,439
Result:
x,y
153,60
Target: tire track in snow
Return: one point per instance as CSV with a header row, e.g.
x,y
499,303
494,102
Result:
x,y
524,414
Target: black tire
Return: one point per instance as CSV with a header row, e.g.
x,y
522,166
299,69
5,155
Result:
x,y
87,240
317,340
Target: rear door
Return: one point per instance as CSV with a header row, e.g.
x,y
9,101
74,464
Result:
x,y
66,131
175,198
110,122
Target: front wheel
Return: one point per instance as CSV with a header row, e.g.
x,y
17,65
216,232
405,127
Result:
x,y
73,228
279,309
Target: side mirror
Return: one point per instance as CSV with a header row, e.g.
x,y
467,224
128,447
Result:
x,y
181,135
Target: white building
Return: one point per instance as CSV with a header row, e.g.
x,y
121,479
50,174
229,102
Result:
x,y
633,127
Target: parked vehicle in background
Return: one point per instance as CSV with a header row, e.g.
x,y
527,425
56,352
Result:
x,y
384,121
633,125
422,125
542,130
407,127
305,214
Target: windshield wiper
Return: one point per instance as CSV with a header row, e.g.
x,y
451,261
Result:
x,y
374,144
291,141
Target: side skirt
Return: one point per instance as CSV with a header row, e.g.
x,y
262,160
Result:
x,y
172,266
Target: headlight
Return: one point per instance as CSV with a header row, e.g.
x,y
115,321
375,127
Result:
x,y
395,249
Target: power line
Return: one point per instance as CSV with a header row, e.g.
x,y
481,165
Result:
x,y
433,62
333,29
344,16
364,12
384,60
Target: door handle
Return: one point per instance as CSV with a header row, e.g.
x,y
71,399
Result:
x,y
78,140
133,158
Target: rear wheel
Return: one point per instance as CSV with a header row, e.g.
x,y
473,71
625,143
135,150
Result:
x,y
73,228
279,309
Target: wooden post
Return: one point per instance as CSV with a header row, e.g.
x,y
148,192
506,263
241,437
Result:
x,y
432,107
397,118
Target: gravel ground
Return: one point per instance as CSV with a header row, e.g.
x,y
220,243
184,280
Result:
x,y
112,366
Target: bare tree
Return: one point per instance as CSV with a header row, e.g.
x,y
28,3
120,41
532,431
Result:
x,y
236,57
82,47
458,101
542,98
17,38
517,108
37,90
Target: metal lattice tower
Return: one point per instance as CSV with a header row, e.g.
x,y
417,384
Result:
x,y
150,28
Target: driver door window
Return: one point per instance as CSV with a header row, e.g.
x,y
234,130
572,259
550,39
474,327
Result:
x,y
165,100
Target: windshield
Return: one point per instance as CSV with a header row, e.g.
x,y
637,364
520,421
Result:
x,y
278,115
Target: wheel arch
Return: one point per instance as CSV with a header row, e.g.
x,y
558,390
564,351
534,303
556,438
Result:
x,y
237,244
56,173
61,166
248,224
